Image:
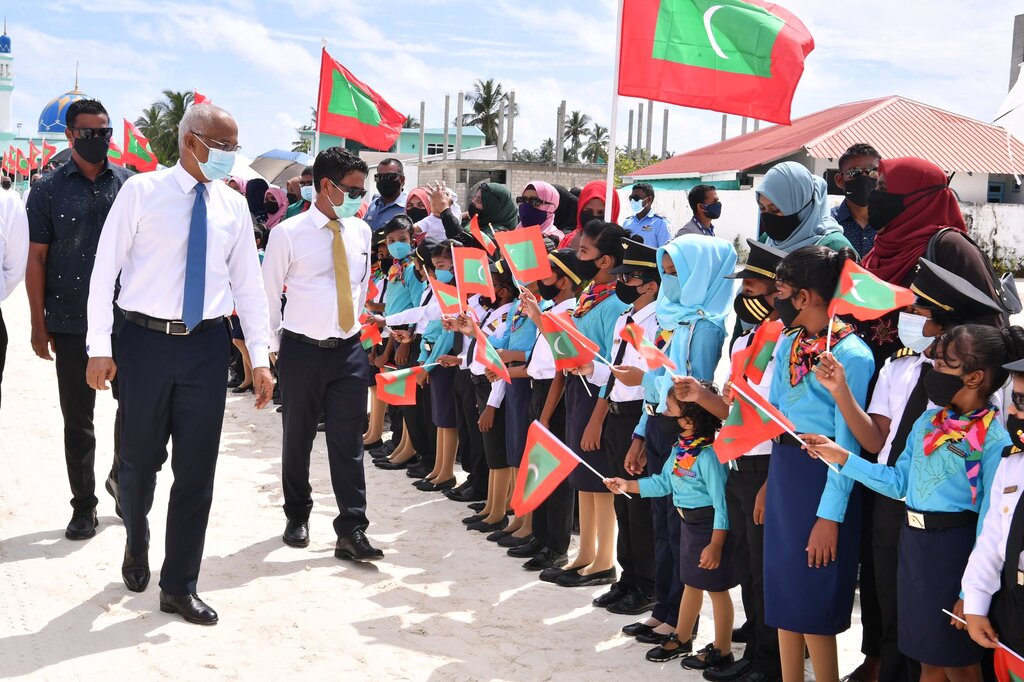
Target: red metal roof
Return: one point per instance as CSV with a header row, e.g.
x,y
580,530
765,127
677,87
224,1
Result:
x,y
895,126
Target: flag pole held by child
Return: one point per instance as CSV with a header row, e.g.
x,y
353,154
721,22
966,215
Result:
x,y
1001,645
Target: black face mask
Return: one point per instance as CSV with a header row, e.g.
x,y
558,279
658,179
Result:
x,y
941,387
93,150
713,211
1015,427
858,189
292,198
548,291
472,210
385,263
270,206
752,309
389,188
588,269
779,227
669,426
586,216
626,293
787,311
885,207
416,214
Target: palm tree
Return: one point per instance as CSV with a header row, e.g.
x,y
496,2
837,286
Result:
x,y
159,123
305,145
411,122
597,145
150,124
546,153
576,128
486,100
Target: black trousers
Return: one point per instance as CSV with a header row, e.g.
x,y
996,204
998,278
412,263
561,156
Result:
x,y
635,543
668,585
870,613
741,490
77,406
888,517
3,348
471,442
552,520
422,431
172,388
329,382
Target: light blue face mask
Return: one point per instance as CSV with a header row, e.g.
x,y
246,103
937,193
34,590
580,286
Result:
x,y
349,207
636,206
306,192
218,164
399,250
444,276
911,332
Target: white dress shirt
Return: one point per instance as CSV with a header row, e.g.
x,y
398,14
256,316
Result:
x,y
542,362
621,393
984,569
145,240
896,381
300,256
420,316
492,323
13,242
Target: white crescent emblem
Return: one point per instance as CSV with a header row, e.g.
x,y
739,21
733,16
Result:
x,y
557,348
532,474
480,273
853,289
711,34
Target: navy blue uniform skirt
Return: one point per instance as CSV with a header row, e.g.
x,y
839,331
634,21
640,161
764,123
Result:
x,y
442,397
517,419
578,408
932,562
693,538
799,598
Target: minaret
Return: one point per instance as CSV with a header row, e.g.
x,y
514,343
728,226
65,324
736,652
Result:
x,y
6,80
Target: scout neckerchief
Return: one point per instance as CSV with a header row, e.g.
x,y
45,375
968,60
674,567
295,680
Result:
x,y
685,452
519,317
397,270
806,349
591,296
968,429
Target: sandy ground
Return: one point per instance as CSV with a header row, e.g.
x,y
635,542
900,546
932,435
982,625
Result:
x,y
442,605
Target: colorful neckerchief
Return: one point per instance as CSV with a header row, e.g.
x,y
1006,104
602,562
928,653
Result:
x,y
377,273
519,317
662,338
969,428
685,452
591,296
397,270
806,349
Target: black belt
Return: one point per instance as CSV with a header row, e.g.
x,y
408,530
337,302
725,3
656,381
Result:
x,y
427,346
330,343
696,516
171,327
479,379
753,463
650,409
941,520
788,439
628,408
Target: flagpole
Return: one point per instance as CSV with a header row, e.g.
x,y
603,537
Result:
x,y
1001,645
613,125
316,123
596,472
828,337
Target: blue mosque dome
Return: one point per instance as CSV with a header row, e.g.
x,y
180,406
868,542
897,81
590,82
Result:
x,y
5,44
52,118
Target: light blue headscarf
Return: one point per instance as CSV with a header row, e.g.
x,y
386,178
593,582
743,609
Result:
x,y
792,188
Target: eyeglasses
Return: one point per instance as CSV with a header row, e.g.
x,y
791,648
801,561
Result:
x,y
625,277
536,202
633,197
851,173
89,133
1018,400
223,146
383,177
352,192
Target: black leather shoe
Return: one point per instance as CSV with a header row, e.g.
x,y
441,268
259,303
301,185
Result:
x,y
660,654
655,637
753,676
135,571
388,465
477,506
296,533
553,573
419,470
82,525
730,672
421,484
614,594
373,446
633,604
190,607
499,535
635,629
115,492
467,494
243,389
512,541
741,635
712,658
473,519
527,550
357,548
482,527
439,486
570,579
545,560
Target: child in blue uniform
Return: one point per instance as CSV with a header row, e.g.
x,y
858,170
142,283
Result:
x,y
812,514
695,479
945,473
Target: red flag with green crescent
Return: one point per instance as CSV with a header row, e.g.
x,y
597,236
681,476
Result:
x,y
569,348
447,297
748,424
115,155
546,463
399,386
6,165
752,361
634,334
21,164
49,151
525,253
480,236
1008,668
742,57
137,150
369,336
34,153
349,108
473,272
863,295
489,358
371,290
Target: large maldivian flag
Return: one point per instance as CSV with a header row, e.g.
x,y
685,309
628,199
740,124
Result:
x,y
349,108
546,463
481,236
398,387
489,358
447,297
742,57
1008,668
569,348
137,150
472,271
525,253
634,335
861,294
115,155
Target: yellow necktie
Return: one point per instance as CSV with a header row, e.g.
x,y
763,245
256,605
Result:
x,y
346,317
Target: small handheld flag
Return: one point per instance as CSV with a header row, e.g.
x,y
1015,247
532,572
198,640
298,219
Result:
x,y
865,296
546,463
569,348
480,236
489,358
398,387
369,336
372,291
653,356
473,272
447,297
525,253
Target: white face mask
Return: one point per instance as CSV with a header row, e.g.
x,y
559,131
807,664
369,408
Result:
x,y
911,331
307,194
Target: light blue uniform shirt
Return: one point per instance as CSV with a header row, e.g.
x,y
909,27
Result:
x,y
598,323
936,482
654,229
705,488
812,409
440,340
401,295
379,213
523,336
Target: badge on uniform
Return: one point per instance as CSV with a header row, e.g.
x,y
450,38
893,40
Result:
x,y
646,228
915,519
1011,489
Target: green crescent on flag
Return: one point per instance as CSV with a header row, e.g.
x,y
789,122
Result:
x,y
546,463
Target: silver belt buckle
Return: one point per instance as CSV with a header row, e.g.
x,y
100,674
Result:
x,y
1020,577
170,328
650,409
915,519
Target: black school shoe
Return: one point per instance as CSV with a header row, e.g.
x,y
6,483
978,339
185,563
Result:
x,y
713,658
614,594
633,603
660,654
730,672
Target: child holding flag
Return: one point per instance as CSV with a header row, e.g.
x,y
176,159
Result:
x,y
696,480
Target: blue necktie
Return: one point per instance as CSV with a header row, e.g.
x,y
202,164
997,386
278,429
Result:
x,y
195,263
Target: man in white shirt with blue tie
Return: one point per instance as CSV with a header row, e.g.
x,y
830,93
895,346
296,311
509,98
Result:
x,y
183,244
323,258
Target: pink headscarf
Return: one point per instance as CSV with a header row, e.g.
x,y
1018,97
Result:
x,y
547,192
281,198
238,181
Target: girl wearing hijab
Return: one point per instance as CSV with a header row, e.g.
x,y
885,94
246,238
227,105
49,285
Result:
x,y
537,206
236,183
794,210
275,203
255,191
565,214
493,205
590,206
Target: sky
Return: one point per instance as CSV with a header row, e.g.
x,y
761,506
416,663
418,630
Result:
x,y
260,60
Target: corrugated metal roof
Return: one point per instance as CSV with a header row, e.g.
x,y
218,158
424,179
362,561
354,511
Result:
x,y
895,126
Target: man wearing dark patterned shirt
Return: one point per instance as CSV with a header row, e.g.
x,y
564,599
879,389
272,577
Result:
x,y
858,173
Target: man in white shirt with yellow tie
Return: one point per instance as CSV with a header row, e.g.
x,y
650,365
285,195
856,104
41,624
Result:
x,y
183,245
322,257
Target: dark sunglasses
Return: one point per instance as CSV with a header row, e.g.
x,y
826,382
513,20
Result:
x,y
89,133
1018,400
852,173
386,176
352,192
536,202
633,197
